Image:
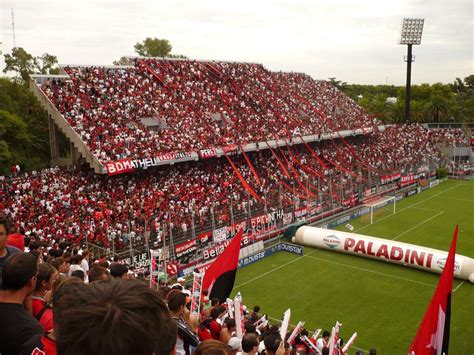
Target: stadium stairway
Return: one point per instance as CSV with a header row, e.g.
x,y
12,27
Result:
x,y
61,123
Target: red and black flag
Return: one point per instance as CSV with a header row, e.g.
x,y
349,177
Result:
x,y
433,334
219,278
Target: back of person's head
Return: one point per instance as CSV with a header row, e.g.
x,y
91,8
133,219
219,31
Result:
x,y
271,341
325,351
45,275
105,264
256,309
176,299
373,351
76,259
163,291
118,270
212,347
249,327
249,341
98,273
216,311
117,317
230,323
35,245
19,271
79,274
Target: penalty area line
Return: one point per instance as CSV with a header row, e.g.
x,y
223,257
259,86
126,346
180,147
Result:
x,y
275,269
417,225
458,286
404,209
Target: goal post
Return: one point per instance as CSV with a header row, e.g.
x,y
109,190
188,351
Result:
x,y
382,207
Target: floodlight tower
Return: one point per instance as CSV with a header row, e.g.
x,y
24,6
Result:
x,y
412,29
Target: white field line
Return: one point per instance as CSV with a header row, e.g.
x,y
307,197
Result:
x,y
417,225
426,209
309,331
411,206
272,270
372,271
458,286
456,199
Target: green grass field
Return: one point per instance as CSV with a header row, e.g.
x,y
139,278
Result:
x,y
383,302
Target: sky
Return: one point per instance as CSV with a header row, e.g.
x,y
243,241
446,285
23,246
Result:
x,y
354,41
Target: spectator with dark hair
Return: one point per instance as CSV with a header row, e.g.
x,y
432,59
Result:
x,y
186,337
228,330
373,351
79,274
37,248
5,250
61,264
118,270
254,314
272,342
323,341
98,273
18,281
250,344
47,276
115,318
55,251
214,326
325,351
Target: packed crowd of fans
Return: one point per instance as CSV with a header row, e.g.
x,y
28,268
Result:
x,y
197,105
60,300
80,205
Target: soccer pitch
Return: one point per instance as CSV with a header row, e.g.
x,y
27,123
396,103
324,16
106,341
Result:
x,y
383,302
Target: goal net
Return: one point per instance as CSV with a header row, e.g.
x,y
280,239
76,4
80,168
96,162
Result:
x,y
379,208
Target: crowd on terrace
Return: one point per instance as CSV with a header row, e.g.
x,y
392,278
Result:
x,y
60,300
196,105
200,195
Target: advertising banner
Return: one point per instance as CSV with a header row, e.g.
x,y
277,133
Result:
x,y
128,165
185,248
207,153
384,249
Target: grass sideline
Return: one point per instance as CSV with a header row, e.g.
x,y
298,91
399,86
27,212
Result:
x,y
383,302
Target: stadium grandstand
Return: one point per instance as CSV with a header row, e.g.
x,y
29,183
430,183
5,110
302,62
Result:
x,y
180,155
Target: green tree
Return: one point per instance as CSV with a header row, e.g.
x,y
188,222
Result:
x,y
458,86
23,63
122,61
469,81
437,108
153,47
19,61
45,64
21,111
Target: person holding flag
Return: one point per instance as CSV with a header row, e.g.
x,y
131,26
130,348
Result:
x,y
219,278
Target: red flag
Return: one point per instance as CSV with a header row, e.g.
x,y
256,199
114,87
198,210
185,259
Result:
x,y
219,278
433,334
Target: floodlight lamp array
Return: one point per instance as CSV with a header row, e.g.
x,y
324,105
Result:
x,y
412,30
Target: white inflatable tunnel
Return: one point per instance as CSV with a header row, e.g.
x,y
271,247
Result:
x,y
384,249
